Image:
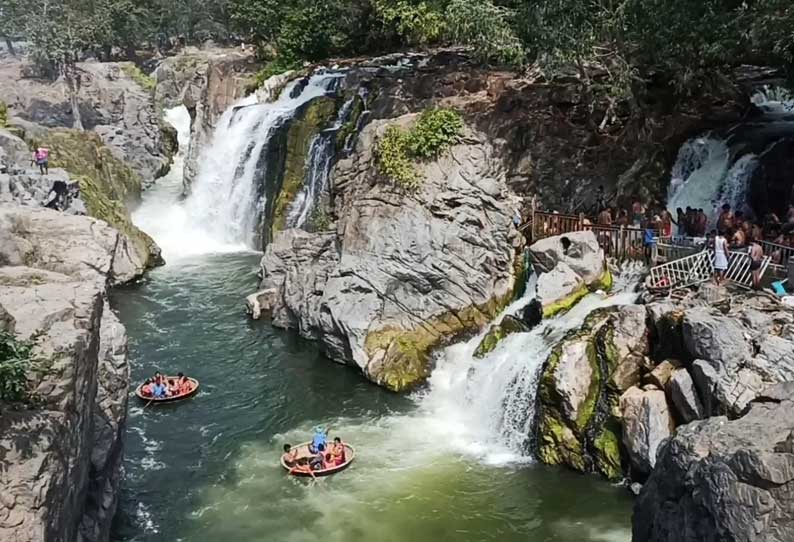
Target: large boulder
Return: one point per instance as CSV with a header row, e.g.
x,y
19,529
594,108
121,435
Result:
x,y
570,266
78,246
578,396
722,480
60,466
403,272
647,422
734,364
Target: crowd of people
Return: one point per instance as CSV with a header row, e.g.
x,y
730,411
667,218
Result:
x,y
319,455
161,387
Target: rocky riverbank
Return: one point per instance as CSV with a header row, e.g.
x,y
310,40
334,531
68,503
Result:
x,y
400,272
689,397
60,459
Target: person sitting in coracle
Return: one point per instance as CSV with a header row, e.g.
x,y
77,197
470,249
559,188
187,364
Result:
x,y
320,439
159,389
337,453
317,461
173,388
146,389
184,384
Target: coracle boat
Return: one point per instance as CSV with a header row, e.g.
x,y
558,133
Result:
x,y
193,390
303,451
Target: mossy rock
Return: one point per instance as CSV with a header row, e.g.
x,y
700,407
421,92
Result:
x,y
401,358
558,445
565,304
107,185
605,282
608,448
508,326
3,114
591,441
301,132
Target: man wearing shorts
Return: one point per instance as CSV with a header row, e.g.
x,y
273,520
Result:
x,y
756,254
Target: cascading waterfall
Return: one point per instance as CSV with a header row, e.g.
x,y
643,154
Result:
x,y
774,100
225,205
318,170
486,407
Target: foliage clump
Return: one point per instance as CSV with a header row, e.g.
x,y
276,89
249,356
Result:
x,y
399,149
17,362
146,82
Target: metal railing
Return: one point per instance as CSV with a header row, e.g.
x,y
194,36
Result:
x,y
620,242
778,254
699,268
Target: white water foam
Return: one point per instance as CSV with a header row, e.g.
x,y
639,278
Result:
x,y
221,213
774,100
703,177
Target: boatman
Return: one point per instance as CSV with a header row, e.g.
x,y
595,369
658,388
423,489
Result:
x,y
320,439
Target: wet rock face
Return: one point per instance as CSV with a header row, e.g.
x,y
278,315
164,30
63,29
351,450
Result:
x,y
111,103
725,480
206,83
579,407
60,461
569,266
402,272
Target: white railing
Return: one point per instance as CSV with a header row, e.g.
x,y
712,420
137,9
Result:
x,y
699,268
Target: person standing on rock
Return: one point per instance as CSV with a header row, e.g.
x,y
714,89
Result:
x,y
41,156
721,255
756,254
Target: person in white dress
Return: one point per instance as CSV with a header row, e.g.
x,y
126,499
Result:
x,y
721,254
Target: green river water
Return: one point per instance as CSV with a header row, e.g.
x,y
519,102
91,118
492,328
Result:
x,y
206,470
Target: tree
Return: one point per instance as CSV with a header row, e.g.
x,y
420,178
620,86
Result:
x,y
487,28
12,22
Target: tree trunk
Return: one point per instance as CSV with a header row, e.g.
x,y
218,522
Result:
x,y
10,47
72,78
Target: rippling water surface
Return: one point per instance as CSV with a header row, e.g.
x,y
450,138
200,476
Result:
x,y
207,469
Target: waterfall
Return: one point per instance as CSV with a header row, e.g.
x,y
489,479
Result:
x,y
226,203
774,100
486,407
698,176
318,169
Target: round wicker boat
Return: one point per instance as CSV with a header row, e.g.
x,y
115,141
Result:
x,y
173,398
303,451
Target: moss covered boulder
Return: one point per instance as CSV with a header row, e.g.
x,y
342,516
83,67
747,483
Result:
x,y
508,326
400,359
107,185
580,388
300,135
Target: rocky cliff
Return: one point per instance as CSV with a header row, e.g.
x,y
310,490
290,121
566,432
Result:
x,y
101,185
114,100
400,272
206,83
60,459
723,480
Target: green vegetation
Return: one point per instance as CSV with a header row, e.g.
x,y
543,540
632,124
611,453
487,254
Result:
x,y
319,219
399,149
134,72
617,50
274,67
106,183
17,362
3,114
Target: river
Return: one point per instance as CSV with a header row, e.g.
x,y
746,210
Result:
x,y
447,463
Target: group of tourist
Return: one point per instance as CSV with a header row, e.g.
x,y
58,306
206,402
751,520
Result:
x,y
734,231
161,387
317,456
